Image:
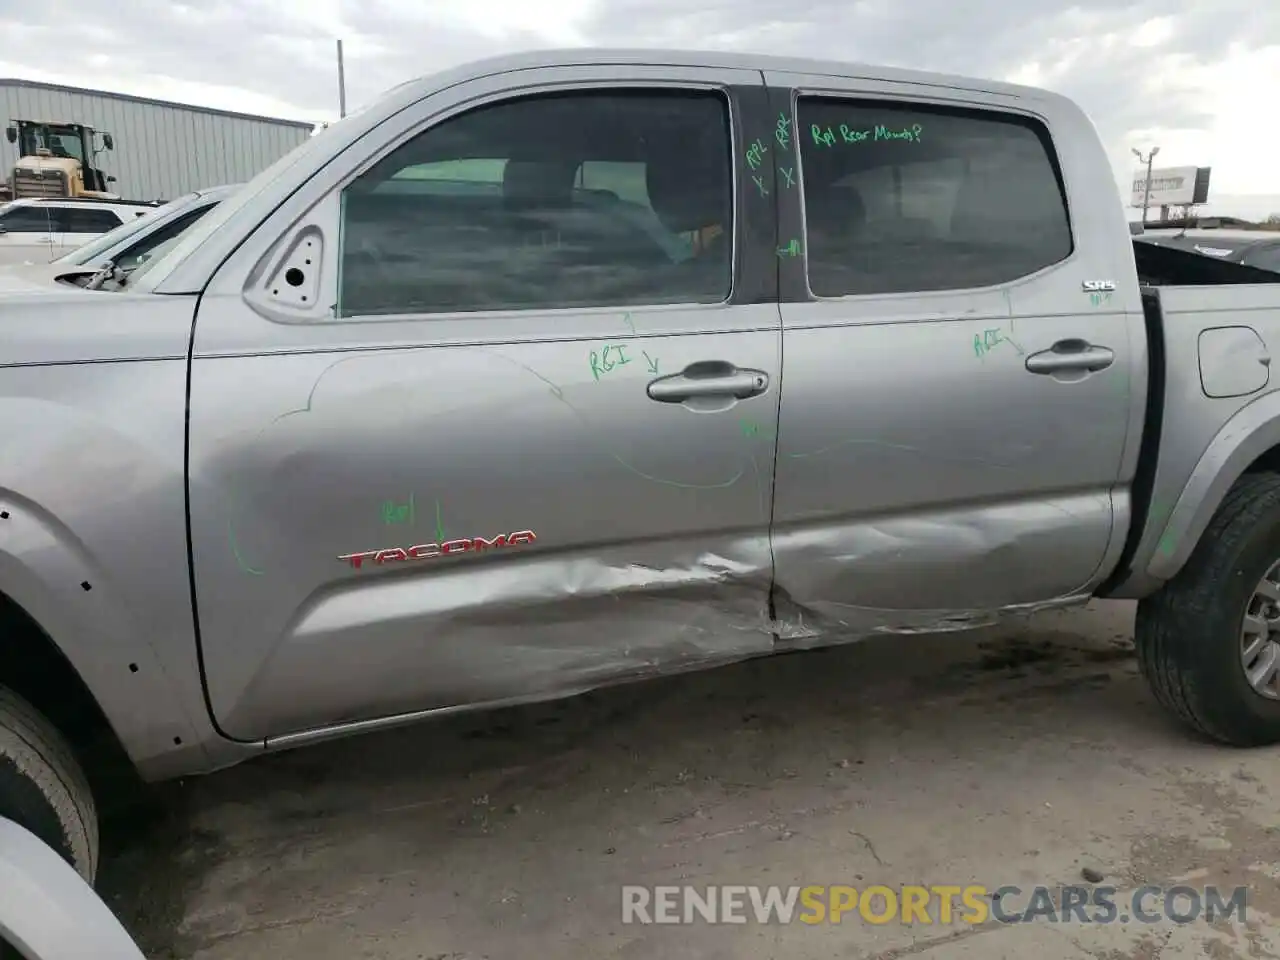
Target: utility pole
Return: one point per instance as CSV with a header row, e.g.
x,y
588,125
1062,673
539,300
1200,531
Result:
x,y
342,84
1146,190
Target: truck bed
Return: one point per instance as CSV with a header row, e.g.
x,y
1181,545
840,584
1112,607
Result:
x,y
1210,329
1169,266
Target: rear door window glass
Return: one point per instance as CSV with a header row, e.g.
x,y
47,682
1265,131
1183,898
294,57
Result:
x,y
76,220
902,198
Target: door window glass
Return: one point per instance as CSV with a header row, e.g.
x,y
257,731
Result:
x,y
28,220
901,199
556,201
77,220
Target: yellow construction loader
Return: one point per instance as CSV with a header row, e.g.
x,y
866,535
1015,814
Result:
x,y
57,160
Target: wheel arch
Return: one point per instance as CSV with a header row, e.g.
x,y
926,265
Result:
x,y
60,609
36,669
1249,442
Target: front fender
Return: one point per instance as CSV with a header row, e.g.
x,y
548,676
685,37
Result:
x,y
1251,432
93,543
44,569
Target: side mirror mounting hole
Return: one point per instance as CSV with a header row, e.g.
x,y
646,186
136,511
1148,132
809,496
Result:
x,y
293,281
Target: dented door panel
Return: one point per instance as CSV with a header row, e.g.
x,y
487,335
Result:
x,y
419,513
635,532
932,472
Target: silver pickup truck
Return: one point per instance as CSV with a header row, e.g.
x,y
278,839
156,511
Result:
x,y
579,367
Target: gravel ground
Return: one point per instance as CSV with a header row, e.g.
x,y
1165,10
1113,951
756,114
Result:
x,y
1022,755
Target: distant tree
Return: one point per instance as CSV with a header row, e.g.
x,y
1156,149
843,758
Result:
x,y
1273,220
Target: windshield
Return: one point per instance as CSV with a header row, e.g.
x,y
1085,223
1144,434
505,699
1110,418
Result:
x,y
158,241
90,251
60,140
143,258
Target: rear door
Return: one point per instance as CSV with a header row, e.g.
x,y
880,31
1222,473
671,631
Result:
x,y
956,407
488,414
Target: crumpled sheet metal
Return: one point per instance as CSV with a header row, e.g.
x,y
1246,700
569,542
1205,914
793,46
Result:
x,y
552,623
513,629
827,623
935,572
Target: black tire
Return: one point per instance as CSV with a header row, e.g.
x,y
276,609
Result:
x,y
42,786
1188,634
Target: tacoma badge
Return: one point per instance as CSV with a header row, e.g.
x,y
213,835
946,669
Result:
x,y
448,548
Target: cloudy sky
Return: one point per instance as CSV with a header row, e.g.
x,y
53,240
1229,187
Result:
x,y
1197,77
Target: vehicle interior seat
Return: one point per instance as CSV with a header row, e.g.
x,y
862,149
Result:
x,y
691,191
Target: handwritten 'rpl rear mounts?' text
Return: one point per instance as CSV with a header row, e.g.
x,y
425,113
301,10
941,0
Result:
x,y
826,137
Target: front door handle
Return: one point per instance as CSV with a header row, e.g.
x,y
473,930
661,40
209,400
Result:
x,y
1067,356
708,378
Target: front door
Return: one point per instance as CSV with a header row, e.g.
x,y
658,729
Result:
x,y
496,421
956,408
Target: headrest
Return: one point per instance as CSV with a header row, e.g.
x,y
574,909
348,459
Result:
x,y
1004,202
972,213
538,183
836,210
906,229
690,189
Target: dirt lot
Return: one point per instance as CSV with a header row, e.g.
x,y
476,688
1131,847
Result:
x,y
1017,756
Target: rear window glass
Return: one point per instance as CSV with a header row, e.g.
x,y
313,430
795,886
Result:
x,y
900,198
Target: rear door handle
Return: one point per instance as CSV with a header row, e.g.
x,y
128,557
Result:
x,y
1071,356
708,378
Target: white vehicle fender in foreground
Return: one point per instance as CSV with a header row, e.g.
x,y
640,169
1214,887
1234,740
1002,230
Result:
x,y
47,911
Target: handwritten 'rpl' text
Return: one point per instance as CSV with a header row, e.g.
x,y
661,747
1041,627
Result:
x,y
782,131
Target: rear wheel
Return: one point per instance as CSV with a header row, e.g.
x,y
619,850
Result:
x,y
1209,641
42,786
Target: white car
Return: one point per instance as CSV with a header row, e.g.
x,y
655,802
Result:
x,y
47,910
38,230
130,244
